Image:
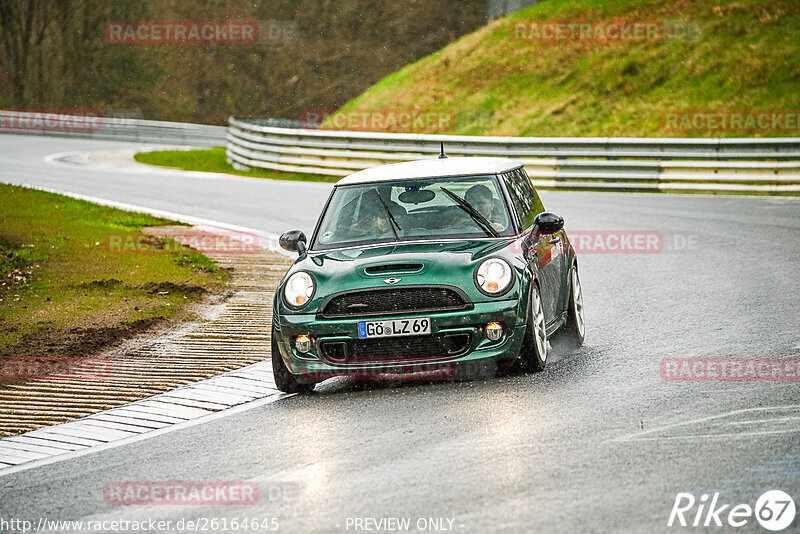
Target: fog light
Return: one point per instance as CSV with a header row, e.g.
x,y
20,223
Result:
x,y
494,331
303,344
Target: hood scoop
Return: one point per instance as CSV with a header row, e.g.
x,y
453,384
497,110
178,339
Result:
x,y
394,268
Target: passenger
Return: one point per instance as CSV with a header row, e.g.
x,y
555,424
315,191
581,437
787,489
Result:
x,y
482,200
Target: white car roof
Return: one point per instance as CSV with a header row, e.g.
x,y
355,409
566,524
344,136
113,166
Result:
x,y
430,168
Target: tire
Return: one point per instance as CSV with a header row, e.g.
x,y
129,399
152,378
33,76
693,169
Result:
x,y
533,353
574,331
284,379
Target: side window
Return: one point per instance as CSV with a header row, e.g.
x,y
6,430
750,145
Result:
x,y
516,200
526,201
538,207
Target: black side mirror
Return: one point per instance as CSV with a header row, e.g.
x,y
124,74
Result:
x,y
293,241
547,223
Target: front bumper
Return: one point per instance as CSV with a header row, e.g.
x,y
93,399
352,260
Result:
x,y
316,365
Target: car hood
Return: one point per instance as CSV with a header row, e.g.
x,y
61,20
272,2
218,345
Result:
x,y
398,265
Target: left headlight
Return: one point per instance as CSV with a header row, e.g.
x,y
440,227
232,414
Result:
x,y
493,277
298,290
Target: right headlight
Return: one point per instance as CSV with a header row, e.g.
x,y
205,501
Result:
x,y
493,277
298,290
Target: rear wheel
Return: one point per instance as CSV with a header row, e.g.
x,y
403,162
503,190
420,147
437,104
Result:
x,y
574,331
533,354
284,379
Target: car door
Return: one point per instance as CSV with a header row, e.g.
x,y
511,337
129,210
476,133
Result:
x,y
550,261
545,251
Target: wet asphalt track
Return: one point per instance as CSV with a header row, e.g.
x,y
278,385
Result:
x,y
596,443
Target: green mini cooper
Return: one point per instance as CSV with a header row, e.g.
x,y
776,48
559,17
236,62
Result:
x,y
437,268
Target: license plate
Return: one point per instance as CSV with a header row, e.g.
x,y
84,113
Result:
x,y
417,326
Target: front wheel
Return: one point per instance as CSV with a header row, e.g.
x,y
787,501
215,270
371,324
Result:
x,y
284,379
534,345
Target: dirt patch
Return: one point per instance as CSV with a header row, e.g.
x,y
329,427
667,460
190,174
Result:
x,y
111,282
77,342
169,287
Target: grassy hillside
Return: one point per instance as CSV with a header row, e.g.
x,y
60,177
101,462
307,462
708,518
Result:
x,y
716,57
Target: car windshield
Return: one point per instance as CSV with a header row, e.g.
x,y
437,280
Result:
x,y
413,210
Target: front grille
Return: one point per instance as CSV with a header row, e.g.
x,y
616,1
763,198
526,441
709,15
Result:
x,y
393,301
411,348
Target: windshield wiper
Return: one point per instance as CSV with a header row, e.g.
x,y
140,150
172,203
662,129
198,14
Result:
x,y
483,223
391,217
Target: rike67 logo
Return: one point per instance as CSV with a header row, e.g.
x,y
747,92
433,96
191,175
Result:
x,y
774,510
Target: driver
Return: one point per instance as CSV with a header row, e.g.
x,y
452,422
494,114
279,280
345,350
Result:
x,y
482,200
372,221
375,222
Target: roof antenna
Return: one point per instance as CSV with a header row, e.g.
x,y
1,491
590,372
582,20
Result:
x,y
442,155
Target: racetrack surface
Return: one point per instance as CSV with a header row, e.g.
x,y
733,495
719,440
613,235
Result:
x,y
598,442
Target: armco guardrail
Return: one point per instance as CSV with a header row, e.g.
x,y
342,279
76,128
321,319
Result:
x,y
142,131
745,166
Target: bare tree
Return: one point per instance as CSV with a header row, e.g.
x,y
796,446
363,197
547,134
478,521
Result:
x,y
23,27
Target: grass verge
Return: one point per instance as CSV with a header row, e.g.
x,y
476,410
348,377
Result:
x,y
64,291
214,160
